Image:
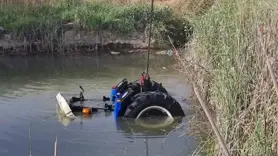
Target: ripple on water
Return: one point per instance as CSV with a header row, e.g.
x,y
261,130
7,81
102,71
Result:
x,y
97,135
6,98
36,87
16,137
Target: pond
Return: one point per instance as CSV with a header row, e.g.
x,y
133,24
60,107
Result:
x,y
29,122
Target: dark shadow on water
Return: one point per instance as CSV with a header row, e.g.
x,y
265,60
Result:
x,y
151,126
146,129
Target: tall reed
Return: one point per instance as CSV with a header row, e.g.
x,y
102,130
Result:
x,y
232,73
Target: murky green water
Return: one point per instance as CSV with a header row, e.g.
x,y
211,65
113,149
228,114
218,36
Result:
x,y
28,87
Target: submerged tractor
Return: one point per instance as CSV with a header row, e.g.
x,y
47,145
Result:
x,y
141,98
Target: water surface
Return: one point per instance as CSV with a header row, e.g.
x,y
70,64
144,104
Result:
x,y
28,86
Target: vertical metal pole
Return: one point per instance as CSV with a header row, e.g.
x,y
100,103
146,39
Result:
x,y
150,34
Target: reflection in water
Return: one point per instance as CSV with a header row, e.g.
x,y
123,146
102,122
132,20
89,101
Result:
x,y
147,128
143,128
154,122
32,84
160,126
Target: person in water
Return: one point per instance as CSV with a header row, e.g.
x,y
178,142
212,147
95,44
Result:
x,y
142,78
145,81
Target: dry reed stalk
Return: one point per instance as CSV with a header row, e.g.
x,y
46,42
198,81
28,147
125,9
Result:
x,y
268,64
55,147
214,127
204,106
30,144
270,33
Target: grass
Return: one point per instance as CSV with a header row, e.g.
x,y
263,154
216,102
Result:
x,y
229,61
40,20
89,15
236,82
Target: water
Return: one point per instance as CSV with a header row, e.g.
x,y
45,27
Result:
x,y
28,86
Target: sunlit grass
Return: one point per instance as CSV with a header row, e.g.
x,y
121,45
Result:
x,y
237,86
43,20
89,15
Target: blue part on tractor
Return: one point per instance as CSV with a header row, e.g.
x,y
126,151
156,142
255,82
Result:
x,y
116,94
117,105
113,94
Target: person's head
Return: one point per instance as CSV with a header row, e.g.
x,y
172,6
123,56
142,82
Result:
x,y
143,73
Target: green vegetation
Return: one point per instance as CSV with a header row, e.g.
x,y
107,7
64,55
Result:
x,y
20,18
92,16
236,83
227,51
45,20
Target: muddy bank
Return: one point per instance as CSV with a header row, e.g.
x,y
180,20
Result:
x,y
62,27
71,39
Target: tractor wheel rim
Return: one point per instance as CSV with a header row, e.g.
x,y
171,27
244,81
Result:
x,y
156,108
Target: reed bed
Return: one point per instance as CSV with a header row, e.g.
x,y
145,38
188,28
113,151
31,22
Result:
x,y
232,60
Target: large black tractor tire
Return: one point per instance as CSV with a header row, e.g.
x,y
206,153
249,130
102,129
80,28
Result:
x,y
147,99
157,86
154,86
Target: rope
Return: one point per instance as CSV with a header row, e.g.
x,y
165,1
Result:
x,y
150,34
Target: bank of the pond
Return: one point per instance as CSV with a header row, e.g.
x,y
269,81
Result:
x,y
233,64
65,26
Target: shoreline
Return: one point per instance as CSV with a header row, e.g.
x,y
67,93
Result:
x,y
73,41
86,26
100,52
